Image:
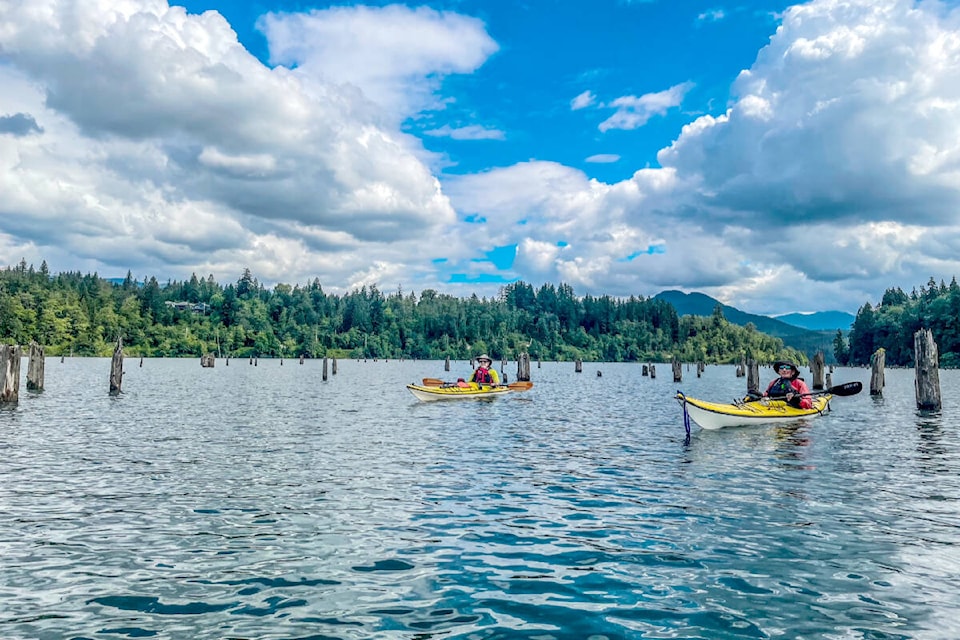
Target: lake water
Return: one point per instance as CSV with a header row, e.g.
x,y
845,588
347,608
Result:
x,y
261,502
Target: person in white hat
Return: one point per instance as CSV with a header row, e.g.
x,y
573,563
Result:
x,y
485,373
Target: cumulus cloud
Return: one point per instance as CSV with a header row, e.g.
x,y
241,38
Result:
x,y
469,132
582,101
833,174
166,145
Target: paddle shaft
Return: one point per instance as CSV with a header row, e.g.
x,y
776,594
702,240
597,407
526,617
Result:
x,y
515,386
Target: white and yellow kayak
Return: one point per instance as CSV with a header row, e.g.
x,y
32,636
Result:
x,y
717,415
457,391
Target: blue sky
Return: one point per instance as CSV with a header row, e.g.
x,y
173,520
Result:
x,y
778,156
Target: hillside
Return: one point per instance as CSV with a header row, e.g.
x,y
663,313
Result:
x,y
806,340
820,321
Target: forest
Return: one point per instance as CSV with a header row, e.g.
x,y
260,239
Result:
x,y
70,313
891,324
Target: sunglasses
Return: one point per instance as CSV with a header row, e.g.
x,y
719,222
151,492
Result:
x,y
785,367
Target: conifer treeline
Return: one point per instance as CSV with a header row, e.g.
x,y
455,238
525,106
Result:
x,y
72,313
892,323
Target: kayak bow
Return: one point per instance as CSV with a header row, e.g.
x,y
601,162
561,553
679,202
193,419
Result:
x,y
717,415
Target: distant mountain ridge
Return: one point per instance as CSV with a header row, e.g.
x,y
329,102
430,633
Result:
x,y
819,321
806,340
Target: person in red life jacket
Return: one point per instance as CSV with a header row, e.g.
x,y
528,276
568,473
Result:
x,y
789,386
485,373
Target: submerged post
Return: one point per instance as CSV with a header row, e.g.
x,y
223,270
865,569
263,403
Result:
x,y
324,368
818,366
208,360
35,368
926,357
116,367
753,376
578,365
10,372
446,364
877,362
677,370
523,367
333,366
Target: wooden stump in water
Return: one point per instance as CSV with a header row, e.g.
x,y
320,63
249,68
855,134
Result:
x,y
116,368
578,365
817,367
324,368
653,372
446,363
753,376
644,372
10,356
926,357
208,360
877,362
523,367
35,368
333,366
677,370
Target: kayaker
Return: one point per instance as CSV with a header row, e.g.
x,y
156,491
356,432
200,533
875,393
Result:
x,y
789,385
485,373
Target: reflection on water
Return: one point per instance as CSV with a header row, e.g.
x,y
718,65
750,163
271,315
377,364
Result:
x,y
262,502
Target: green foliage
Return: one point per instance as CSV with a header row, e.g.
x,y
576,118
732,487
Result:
x,y
892,324
84,315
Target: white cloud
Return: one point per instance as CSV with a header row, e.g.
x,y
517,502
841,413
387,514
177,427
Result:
x,y
157,142
469,132
604,158
633,112
582,101
395,55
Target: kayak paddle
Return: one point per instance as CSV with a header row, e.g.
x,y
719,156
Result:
x,y
842,390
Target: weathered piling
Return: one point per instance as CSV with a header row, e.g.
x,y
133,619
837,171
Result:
x,y
753,376
324,368
677,369
141,361
653,371
644,371
35,368
817,367
10,356
301,358
116,368
578,365
333,366
446,363
208,360
829,380
523,367
926,357
701,367
741,369
877,362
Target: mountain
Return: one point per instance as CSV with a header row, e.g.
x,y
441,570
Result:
x,y
820,321
806,340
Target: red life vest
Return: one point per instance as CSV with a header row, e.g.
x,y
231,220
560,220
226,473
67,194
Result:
x,y
482,376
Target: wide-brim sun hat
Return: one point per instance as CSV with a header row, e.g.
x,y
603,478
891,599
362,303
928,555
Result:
x,y
484,356
780,363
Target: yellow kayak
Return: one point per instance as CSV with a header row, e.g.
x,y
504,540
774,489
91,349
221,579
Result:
x,y
457,391
717,415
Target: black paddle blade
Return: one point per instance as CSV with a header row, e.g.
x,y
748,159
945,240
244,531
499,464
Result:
x,y
846,389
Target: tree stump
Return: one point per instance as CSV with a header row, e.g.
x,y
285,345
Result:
x,y
324,368
446,363
35,368
116,368
10,356
523,367
753,376
818,366
333,366
208,361
653,372
677,370
926,357
578,365
877,362
645,371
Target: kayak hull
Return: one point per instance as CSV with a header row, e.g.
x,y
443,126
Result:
x,y
718,415
468,391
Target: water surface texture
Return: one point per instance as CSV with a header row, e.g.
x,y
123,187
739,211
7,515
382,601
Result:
x,y
262,502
